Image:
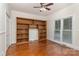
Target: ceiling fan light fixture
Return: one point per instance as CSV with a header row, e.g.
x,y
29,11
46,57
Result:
x,y
43,9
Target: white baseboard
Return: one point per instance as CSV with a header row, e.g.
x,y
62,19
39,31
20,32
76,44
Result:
x,y
68,45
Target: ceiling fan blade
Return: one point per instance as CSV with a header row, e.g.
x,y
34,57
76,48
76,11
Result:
x,y
49,4
48,8
37,7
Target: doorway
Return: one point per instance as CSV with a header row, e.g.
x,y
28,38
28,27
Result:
x,y
33,34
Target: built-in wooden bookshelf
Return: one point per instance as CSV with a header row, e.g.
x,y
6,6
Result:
x,y
42,30
23,26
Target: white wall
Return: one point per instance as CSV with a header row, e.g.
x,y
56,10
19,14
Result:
x,y
8,31
15,14
73,11
2,28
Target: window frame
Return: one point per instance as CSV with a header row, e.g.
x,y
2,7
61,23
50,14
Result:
x,y
66,30
62,29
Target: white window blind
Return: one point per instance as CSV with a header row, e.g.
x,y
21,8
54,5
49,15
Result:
x,y
67,30
57,30
63,31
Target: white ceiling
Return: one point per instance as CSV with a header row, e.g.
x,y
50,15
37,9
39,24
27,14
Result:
x,y
28,8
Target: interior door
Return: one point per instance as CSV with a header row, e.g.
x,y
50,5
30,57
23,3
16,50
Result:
x,y
33,34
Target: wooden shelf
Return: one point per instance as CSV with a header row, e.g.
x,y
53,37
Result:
x,y
42,30
38,22
22,31
23,26
24,21
22,40
33,26
42,27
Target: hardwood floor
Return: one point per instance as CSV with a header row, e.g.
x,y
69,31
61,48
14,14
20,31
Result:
x,y
43,48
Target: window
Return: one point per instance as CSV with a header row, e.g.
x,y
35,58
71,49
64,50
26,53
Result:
x,y
63,31
67,30
57,30
67,24
57,25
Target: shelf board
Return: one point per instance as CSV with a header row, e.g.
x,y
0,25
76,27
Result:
x,y
42,32
21,38
22,33
22,29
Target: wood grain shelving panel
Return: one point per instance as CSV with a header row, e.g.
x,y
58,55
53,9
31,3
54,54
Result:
x,y
23,26
38,22
22,40
21,21
22,31
42,27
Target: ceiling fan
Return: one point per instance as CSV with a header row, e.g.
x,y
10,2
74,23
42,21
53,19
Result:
x,y
44,7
